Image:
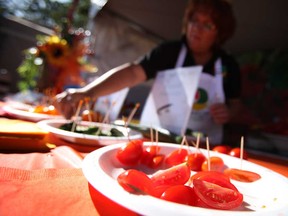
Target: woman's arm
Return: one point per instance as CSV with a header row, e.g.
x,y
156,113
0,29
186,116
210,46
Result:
x,y
126,75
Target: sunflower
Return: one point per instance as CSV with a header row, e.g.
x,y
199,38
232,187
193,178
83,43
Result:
x,y
55,50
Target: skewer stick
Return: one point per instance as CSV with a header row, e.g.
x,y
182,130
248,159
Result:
x,y
105,120
156,135
208,152
151,135
87,100
184,141
193,143
241,151
77,115
106,117
197,144
198,141
132,114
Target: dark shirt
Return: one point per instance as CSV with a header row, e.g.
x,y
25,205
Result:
x,y
165,55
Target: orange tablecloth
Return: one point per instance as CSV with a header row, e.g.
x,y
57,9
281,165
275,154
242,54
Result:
x,y
44,192
50,183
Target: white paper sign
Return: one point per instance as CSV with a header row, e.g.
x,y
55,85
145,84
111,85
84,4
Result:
x,y
169,103
112,103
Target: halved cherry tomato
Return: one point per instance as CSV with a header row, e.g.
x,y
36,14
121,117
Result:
x,y
215,174
176,157
151,158
195,160
216,164
214,177
176,175
216,196
159,190
224,149
198,202
135,181
130,153
157,161
182,194
242,175
236,152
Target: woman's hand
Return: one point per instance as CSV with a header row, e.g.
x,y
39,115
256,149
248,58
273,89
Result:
x,y
220,113
67,101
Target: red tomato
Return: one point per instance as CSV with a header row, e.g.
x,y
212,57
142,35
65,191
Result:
x,y
198,202
242,175
159,190
236,152
216,164
151,158
216,196
176,157
215,174
195,160
182,194
224,149
175,175
135,181
130,153
214,177
153,149
157,161
49,110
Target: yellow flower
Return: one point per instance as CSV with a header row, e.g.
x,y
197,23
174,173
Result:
x,y
55,50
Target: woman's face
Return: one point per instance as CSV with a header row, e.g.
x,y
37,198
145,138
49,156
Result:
x,y
201,33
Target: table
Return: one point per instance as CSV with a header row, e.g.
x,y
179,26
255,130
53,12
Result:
x,y
48,179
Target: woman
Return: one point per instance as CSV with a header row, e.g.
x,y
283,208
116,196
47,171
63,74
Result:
x,y
207,25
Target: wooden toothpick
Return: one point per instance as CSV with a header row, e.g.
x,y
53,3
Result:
x,y
87,100
151,136
132,114
156,135
241,151
77,115
106,117
208,153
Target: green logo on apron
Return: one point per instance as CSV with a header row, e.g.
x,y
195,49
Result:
x,y
201,99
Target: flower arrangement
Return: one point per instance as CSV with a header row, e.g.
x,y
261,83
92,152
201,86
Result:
x,y
56,61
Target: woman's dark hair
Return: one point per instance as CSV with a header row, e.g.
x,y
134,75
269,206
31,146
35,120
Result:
x,y
221,13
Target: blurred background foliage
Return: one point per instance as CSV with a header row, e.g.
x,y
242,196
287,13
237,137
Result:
x,y
48,13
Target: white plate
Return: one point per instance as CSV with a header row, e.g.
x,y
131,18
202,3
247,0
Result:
x,y
53,125
267,196
23,113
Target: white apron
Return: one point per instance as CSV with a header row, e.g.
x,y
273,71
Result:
x,y
210,91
